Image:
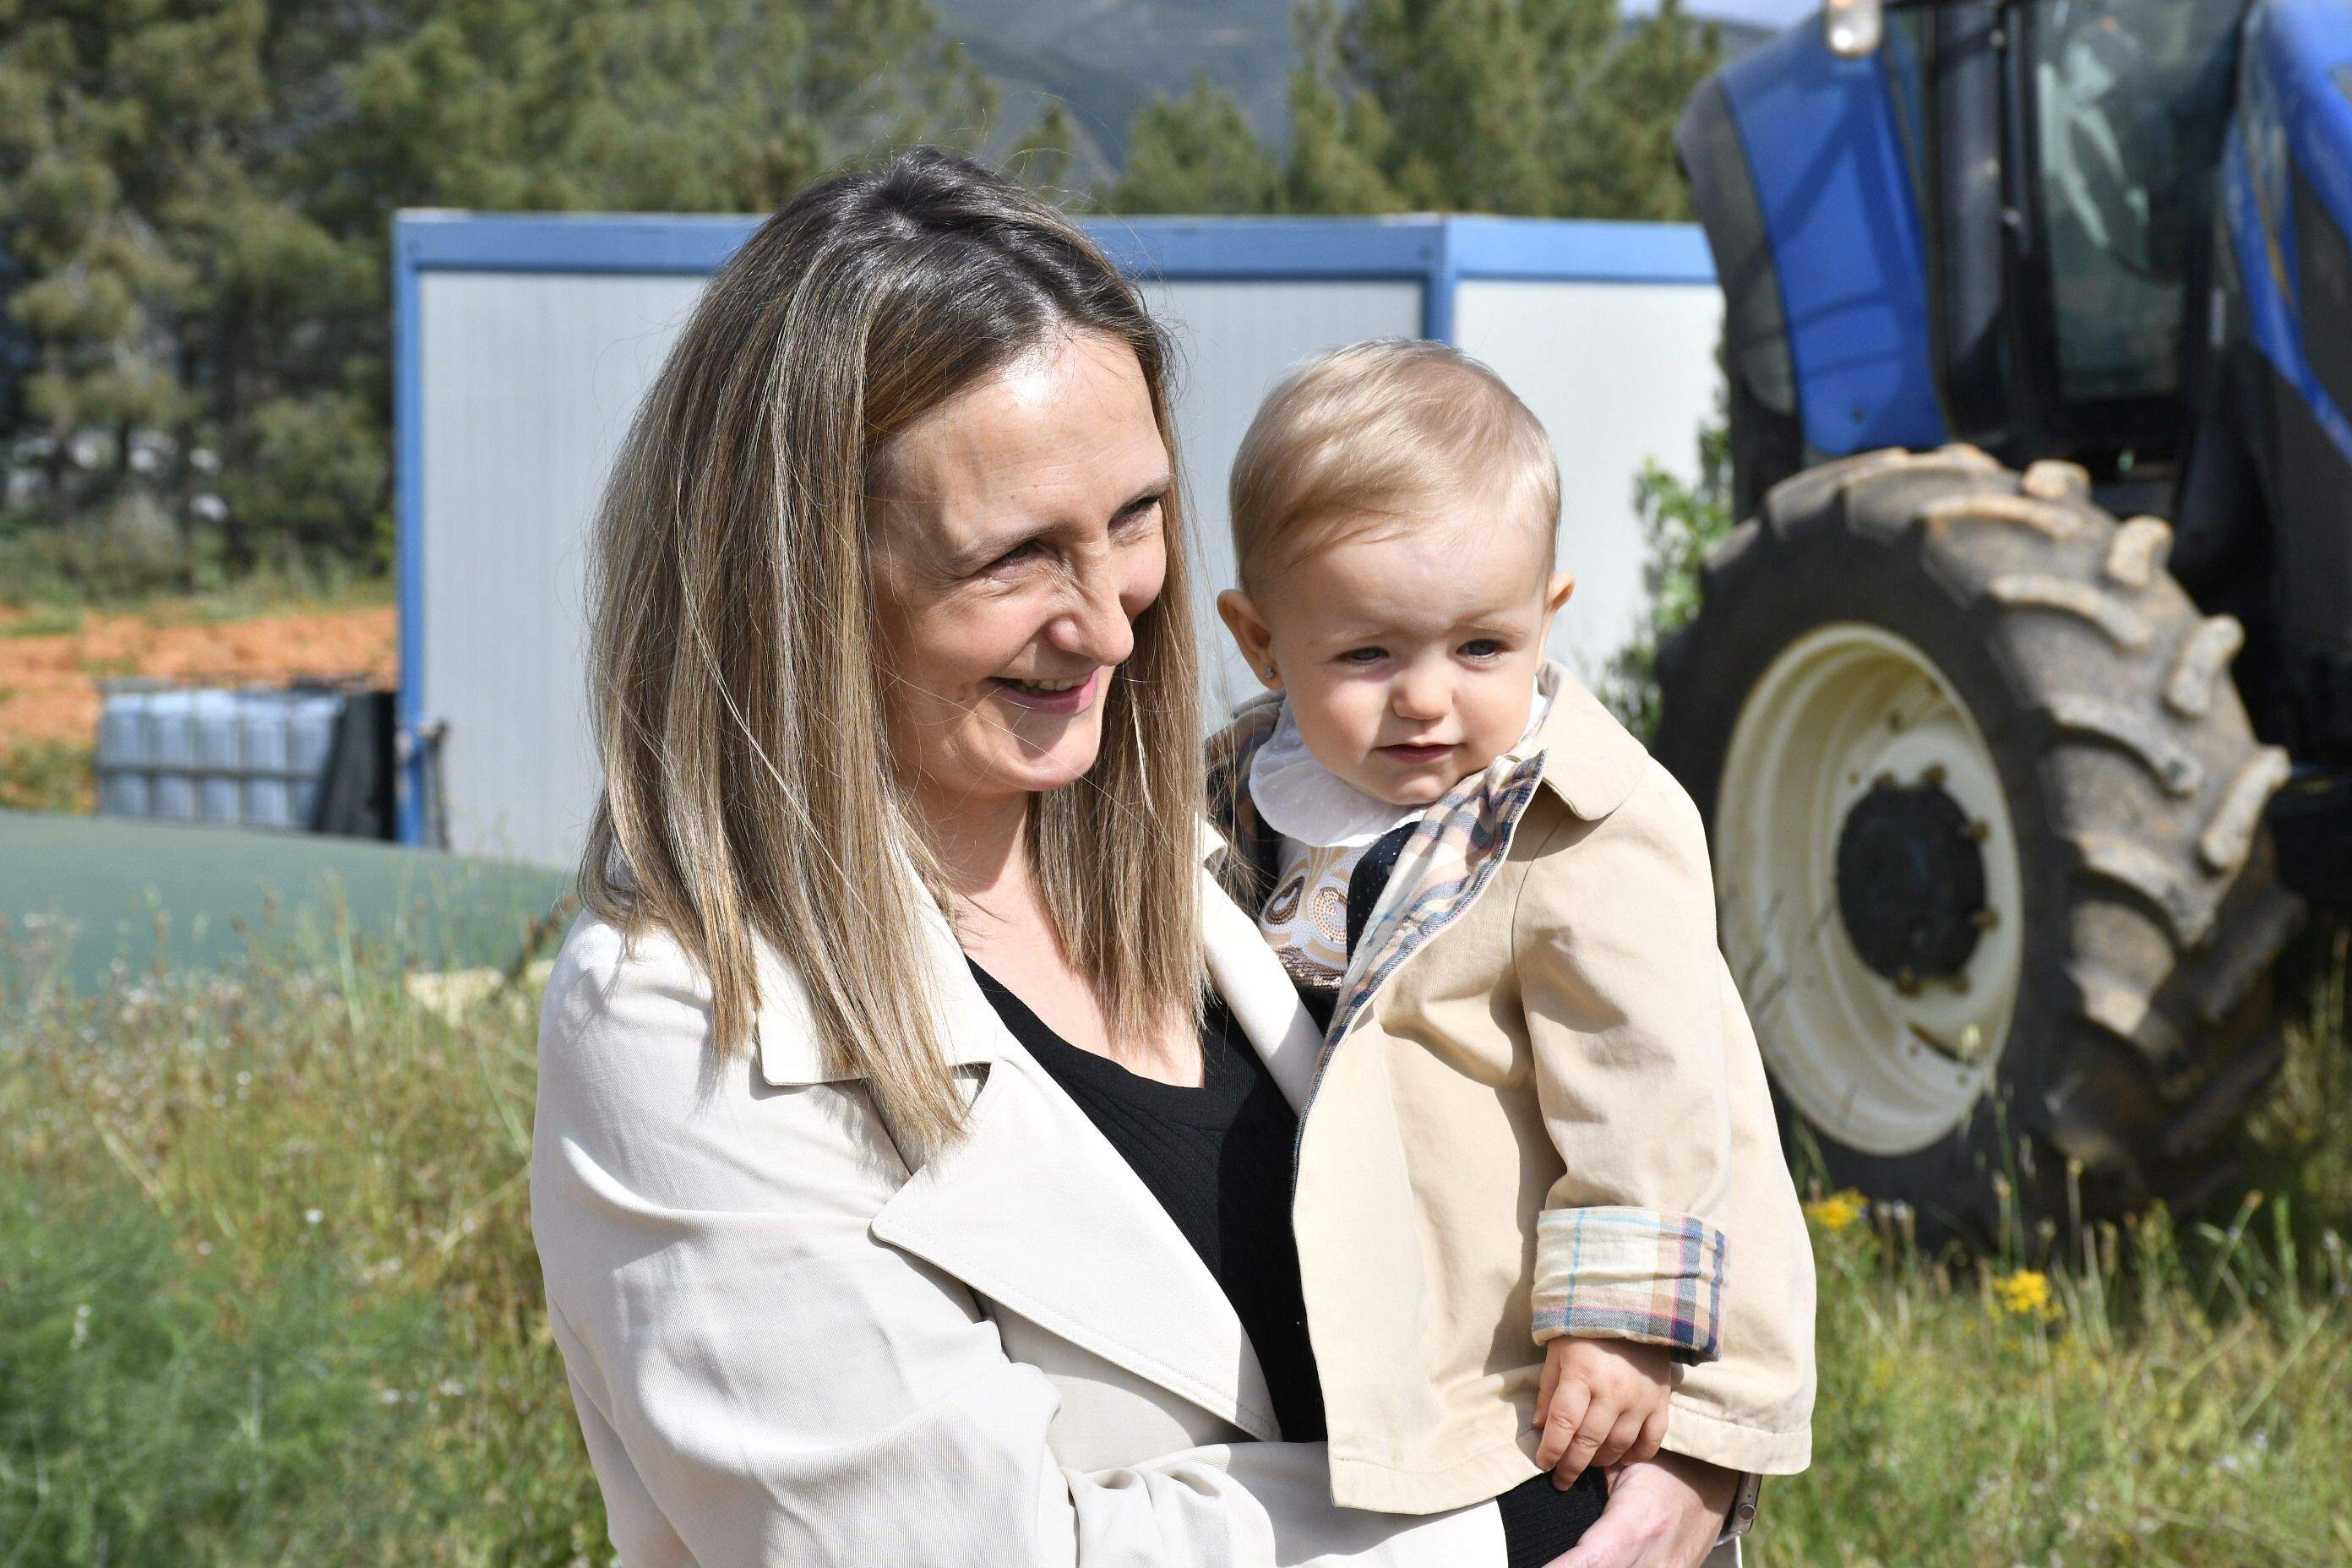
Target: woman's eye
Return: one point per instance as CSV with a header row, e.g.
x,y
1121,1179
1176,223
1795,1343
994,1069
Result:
x,y
1481,647
1014,556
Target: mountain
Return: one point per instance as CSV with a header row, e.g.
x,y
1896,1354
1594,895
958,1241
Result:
x,y
1106,58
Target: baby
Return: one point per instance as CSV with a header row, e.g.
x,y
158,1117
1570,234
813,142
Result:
x,y
1512,1162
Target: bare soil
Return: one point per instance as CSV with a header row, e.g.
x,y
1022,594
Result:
x,y
50,681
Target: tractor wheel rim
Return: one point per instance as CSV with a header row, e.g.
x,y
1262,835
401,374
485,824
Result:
x,y
1881,1067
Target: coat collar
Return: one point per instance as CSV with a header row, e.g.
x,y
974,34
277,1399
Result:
x,y
1035,1210
1591,761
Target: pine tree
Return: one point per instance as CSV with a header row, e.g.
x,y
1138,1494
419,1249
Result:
x,y
195,196
1535,107
1196,153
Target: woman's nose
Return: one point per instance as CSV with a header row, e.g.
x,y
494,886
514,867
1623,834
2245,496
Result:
x,y
1096,626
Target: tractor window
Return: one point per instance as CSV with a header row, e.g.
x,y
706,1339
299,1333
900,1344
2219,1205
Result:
x,y
2131,96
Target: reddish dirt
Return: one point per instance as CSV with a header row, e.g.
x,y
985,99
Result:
x,y
49,681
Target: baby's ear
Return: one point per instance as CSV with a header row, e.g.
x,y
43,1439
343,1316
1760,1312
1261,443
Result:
x,y
1562,585
1251,634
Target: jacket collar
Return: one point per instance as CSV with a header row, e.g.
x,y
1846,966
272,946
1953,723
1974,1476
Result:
x,y
1036,1211
1591,761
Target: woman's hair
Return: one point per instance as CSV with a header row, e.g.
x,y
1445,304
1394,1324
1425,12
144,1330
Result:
x,y
737,678
1375,430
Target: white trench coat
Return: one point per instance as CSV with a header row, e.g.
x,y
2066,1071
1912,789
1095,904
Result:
x,y
788,1351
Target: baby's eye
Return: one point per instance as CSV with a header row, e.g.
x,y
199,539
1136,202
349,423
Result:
x,y
1363,655
1481,647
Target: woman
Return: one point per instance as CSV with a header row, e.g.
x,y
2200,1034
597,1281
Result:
x,y
850,1258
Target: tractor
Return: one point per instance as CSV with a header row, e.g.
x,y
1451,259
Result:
x,y
2020,706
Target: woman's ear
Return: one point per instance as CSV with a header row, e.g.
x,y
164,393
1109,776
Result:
x,y
1240,614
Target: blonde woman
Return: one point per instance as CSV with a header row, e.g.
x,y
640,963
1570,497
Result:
x,y
910,1171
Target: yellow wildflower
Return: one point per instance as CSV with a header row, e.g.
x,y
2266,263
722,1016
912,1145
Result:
x,y
1837,1211
2026,1294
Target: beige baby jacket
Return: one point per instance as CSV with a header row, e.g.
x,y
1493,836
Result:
x,y
1538,1110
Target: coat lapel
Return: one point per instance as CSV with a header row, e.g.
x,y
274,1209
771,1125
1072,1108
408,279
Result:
x,y
1035,1210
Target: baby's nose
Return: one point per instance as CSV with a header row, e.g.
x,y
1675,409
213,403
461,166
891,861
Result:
x,y
1419,698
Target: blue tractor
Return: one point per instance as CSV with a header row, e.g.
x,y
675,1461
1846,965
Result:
x,y
2020,706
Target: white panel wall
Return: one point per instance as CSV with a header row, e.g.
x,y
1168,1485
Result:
x,y
529,382
1617,372
1233,341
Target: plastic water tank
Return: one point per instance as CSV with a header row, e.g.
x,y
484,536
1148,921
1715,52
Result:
x,y
251,756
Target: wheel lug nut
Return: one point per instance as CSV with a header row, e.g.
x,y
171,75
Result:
x,y
1985,919
1977,831
1934,773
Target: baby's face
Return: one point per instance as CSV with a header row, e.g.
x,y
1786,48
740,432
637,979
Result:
x,y
1409,657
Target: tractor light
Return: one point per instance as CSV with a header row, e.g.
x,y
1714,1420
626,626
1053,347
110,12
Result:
x,y
1853,28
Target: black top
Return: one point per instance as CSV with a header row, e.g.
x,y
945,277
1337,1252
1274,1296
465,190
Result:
x,y
1218,1158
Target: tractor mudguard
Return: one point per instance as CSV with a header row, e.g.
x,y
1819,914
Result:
x,y
1824,152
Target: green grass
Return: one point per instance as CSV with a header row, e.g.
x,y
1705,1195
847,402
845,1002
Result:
x,y
45,620
46,775
266,1287
267,1296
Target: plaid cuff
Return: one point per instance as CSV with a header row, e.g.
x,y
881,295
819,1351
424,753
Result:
x,y
1630,1273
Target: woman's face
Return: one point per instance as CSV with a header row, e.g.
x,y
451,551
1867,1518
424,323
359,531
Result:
x,y
1017,534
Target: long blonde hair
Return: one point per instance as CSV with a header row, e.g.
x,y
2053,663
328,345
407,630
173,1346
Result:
x,y
736,673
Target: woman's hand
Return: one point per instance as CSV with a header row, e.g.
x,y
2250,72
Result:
x,y
1662,1513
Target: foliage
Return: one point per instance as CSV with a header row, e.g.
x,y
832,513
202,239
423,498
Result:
x,y
1680,524
195,196
1536,107
293,1205
292,1200
46,776
2163,1393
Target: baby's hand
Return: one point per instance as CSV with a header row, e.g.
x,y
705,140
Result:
x,y
1602,1402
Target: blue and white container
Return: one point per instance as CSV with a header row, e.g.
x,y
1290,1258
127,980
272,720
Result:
x,y
245,756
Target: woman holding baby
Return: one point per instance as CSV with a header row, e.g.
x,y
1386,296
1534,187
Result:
x,y
919,1119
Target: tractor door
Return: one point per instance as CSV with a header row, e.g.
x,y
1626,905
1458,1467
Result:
x,y
2121,108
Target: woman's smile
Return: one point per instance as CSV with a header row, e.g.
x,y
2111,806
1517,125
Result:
x,y
1067,696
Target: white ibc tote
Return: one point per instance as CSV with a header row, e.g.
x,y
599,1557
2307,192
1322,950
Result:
x,y
523,344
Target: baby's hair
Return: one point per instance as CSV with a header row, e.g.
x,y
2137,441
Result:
x,y
1381,429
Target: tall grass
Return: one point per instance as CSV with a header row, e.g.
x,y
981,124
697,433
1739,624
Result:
x,y
267,1296
266,1287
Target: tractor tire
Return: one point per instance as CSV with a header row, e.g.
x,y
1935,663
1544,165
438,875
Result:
x,y
1986,817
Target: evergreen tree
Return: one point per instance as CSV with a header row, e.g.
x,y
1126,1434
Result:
x,y
1341,140
1042,160
195,196
1196,153
1536,107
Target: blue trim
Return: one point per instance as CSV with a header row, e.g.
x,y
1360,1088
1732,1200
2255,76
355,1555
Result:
x,y
1435,252
1580,250
1244,248
408,517
1439,287
1421,246
568,242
